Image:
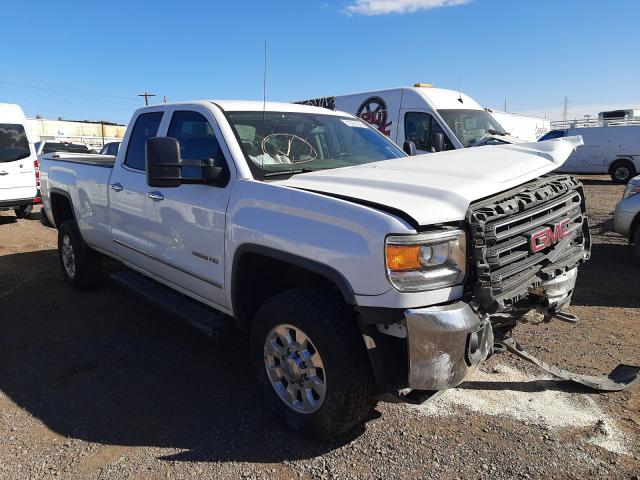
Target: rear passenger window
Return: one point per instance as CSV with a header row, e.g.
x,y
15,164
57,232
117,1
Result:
x,y
197,141
146,127
13,142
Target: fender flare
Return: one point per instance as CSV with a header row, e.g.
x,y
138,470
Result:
x,y
67,195
316,267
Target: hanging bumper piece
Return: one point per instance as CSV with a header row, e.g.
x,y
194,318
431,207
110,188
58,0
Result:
x,y
620,378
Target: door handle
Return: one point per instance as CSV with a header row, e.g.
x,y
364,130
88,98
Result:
x,y
155,196
116,187
2,172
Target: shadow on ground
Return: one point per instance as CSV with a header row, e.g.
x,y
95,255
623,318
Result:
x,y
103,367
609,278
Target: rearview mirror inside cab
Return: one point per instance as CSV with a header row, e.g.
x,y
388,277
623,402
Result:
x,y
165,165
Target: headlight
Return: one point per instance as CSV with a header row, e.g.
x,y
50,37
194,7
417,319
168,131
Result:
x,y
633,187
426,261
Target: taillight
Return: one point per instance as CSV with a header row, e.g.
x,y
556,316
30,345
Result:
x,y
36,168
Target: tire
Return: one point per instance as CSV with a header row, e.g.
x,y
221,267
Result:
x,y
24,211
333,332
622,171
636,243
44,220
81,266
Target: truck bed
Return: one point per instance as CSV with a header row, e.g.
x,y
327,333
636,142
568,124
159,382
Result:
x,y
106,161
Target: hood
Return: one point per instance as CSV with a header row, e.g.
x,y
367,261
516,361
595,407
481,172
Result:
x,y
438,187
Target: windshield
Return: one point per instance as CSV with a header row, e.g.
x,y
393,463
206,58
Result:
x,y
286,142
13,142
471,125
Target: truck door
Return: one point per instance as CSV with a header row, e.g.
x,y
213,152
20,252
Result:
x,y
127,194
17,170
418,126
186,224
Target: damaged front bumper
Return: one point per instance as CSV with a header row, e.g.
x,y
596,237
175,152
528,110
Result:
x,y
445,344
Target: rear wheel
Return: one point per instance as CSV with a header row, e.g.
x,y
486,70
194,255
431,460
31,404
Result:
x,y
311,362
81,266
24,211
622,171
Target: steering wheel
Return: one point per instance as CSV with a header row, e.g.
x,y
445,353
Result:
x,y
295,148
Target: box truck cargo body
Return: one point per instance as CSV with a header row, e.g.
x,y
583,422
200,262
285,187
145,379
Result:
x,y
522,126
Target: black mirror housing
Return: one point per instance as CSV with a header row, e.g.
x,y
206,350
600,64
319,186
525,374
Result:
x,y
409,148
163,162
164,165
437,141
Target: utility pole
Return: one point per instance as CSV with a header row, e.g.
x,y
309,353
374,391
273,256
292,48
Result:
x,y
146,97
565,109
164,98
505,104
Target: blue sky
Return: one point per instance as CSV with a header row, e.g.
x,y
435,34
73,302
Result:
x,y
89,60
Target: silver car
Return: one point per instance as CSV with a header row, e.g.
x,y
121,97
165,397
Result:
x,y
626,220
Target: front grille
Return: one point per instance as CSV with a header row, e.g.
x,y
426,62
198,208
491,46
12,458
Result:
x,y
506,267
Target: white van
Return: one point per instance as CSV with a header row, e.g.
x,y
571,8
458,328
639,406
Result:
x,y
433,119
607,149
19,174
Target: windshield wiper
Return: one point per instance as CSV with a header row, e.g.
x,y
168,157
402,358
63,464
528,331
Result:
x,y
289,172
496,132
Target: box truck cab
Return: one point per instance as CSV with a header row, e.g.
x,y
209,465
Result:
x,y
19,175
433,119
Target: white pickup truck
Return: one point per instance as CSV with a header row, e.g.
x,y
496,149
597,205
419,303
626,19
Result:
x,y
357,270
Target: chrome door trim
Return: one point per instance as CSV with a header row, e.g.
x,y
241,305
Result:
x,y
168,264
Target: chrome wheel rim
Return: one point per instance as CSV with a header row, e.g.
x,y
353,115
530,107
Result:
x,y
621,173
68,257
294,368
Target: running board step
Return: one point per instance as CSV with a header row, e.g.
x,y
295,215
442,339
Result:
x,y
199,316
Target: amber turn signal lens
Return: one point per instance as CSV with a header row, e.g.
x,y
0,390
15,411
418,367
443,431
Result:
x,y
403,257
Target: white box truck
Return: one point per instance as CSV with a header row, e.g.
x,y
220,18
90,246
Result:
x,y
421,117
522,126
612,149
19,175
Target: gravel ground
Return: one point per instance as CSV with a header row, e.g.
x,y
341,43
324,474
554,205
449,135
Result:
x,y
99,386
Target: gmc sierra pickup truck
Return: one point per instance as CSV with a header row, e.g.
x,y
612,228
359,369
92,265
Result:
x,y
360,273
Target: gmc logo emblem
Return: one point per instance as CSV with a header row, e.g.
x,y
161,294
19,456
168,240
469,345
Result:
x,y
549,236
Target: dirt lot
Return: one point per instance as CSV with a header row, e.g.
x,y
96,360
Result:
x,y
98,385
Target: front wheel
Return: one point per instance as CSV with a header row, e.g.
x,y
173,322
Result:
x,y
311,362
622,171
24,211
81,266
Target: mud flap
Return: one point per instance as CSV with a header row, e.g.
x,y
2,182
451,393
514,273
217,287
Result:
x,y
620,378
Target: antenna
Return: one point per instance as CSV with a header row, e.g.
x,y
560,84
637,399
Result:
x,y
264,81
460,89
264,103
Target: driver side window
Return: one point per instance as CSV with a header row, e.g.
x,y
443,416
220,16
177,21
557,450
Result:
x,y
197,141
418,128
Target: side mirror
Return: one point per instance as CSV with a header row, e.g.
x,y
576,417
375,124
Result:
x,y
163,162
409,148
437,142
213,174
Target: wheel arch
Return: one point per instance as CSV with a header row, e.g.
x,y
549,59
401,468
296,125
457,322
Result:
x,y
635,223
61,206
253,264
